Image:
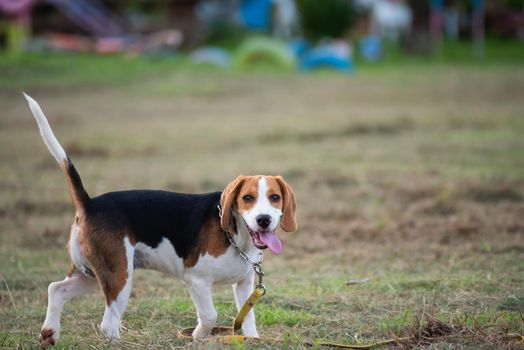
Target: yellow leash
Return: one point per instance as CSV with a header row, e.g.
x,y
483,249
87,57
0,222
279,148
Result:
x,y
248,305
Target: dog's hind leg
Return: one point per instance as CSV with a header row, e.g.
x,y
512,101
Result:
x,y
73,285
116,284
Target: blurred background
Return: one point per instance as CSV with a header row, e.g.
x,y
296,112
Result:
x,y
398,123
305,34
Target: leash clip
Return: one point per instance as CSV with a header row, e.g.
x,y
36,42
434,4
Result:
x,y
258,270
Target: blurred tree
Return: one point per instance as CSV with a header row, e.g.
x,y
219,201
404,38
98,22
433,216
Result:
x,y
325,18
515,4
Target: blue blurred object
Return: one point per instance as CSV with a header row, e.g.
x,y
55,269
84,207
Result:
x,y
299,46
478,4
371,48
333,55
211,55
437,4
256,13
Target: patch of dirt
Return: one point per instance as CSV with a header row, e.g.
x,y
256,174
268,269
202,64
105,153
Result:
x,y
415,192
464,226
428,330
494,192
353,130
431,206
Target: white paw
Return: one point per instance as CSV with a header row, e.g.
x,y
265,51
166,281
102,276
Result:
x,y
110,331
201,332
250,333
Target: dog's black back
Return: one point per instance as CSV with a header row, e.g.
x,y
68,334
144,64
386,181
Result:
x,y
151,215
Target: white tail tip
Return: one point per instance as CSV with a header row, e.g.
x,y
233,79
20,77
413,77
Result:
x,y
45,130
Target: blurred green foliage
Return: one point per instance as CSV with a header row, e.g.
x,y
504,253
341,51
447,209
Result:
x,y
326,18
515,4
225,35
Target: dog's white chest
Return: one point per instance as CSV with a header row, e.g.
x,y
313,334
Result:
x,y
228,268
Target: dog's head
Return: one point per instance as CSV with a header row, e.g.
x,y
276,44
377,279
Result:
x,y
262,202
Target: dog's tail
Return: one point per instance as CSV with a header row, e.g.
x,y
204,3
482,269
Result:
x,y
78,193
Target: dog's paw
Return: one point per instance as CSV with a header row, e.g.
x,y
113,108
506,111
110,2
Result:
x,y
110,332
251,334
201,333
48,337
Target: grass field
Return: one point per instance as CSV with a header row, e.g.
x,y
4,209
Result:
x,y
412,177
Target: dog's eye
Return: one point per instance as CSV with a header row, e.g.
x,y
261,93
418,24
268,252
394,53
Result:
x,y
248,198
274,197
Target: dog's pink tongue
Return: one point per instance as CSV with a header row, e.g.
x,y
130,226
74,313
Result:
x,y
270,239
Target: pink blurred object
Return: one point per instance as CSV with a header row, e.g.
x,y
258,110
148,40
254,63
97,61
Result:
x,y
114,45
69,42
163,38
108,36
16,7
110,45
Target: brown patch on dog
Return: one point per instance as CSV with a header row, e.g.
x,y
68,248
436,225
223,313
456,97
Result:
x,y
248,187
228,199
76,188
211,240
104,249
72,270
273,187
288,222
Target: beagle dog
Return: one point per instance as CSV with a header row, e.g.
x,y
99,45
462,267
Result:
x,y
177,233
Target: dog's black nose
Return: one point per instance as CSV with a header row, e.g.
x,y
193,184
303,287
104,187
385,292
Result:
x,y
263,221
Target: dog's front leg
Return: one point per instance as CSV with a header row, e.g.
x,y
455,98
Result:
x,y
243,290
203,299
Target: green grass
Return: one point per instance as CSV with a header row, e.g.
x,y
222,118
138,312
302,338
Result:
x,y
496,53
409,175
62,71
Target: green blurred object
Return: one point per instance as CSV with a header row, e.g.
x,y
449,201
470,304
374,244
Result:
x,y
264,51
326,18
16,36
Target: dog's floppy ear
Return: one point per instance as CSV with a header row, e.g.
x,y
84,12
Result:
x,y
226,201
288,222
